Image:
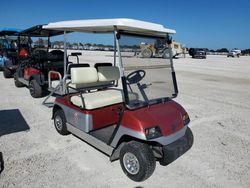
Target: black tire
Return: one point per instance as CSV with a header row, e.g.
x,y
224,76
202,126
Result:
x,y
60,122
7,73
16,81
190,137
146,53
36,90
142,155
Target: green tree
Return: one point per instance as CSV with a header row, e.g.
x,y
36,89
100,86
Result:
x,y
222,50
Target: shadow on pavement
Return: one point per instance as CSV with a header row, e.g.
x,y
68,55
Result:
x,y
1,162
12,121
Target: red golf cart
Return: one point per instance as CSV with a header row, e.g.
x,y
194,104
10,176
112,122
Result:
x,y
34,62
124,107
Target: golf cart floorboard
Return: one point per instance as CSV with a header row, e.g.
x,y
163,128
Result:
x,y
103,134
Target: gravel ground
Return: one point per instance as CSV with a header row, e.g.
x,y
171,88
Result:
x,y
216,94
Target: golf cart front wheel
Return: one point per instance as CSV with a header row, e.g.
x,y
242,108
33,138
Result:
x,y
7,73
60,122
36,90
137,161
17,82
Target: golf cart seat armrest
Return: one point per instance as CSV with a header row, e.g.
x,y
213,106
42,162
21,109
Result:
x,y
69,87
55,73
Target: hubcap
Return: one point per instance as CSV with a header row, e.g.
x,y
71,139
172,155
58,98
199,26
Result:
x,y
131,163
147,53
58,122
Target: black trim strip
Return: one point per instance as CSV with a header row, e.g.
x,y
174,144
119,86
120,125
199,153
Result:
x,y
120,113
175,83
125,89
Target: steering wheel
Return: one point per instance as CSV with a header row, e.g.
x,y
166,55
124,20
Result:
x,y
136,76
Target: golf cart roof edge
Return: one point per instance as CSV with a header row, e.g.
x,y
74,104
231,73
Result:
x,y
107,25
9,31
36,31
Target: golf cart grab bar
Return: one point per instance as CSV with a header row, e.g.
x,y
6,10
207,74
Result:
x,y
49,77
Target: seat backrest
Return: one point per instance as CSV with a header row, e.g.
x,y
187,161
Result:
x,y
72,65
108,73
97,65
83,75
56,55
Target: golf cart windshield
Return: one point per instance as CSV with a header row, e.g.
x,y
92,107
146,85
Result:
x,y
148,70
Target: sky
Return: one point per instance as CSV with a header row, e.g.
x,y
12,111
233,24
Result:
x,y
206,24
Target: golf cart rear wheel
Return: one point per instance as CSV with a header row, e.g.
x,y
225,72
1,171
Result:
x,y
36,90
7,73
60,122
17,83
137,161
146,53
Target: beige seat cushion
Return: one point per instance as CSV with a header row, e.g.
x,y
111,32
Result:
x,y
100,99
83,75
108,73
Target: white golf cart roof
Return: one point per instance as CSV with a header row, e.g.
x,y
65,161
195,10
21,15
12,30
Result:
x,y
107,25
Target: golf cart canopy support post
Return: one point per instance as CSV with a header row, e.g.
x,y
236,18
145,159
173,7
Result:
x,y
120,65
65,53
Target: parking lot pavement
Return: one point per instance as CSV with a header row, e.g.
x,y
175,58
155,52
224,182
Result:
x,y
215,92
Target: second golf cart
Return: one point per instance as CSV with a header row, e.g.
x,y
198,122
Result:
x,y
34,62
123,106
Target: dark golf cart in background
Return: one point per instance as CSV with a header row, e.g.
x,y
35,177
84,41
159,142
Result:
x,y
128,114
8,51
34,62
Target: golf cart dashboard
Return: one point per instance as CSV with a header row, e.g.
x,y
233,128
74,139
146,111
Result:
x,y
136,104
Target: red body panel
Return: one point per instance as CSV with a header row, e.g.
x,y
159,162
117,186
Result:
x,y
28,72
101,116
168,116
54,76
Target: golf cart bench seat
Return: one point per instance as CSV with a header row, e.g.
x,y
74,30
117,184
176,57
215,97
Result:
x,y
82,83
88,77
55,83
100,99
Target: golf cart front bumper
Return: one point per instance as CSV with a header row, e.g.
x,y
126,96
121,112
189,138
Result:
x,y
174,150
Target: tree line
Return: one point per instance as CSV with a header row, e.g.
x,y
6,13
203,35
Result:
x,y
225,50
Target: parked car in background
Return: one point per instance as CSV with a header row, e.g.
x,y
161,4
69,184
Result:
x,y
234,53
197,53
